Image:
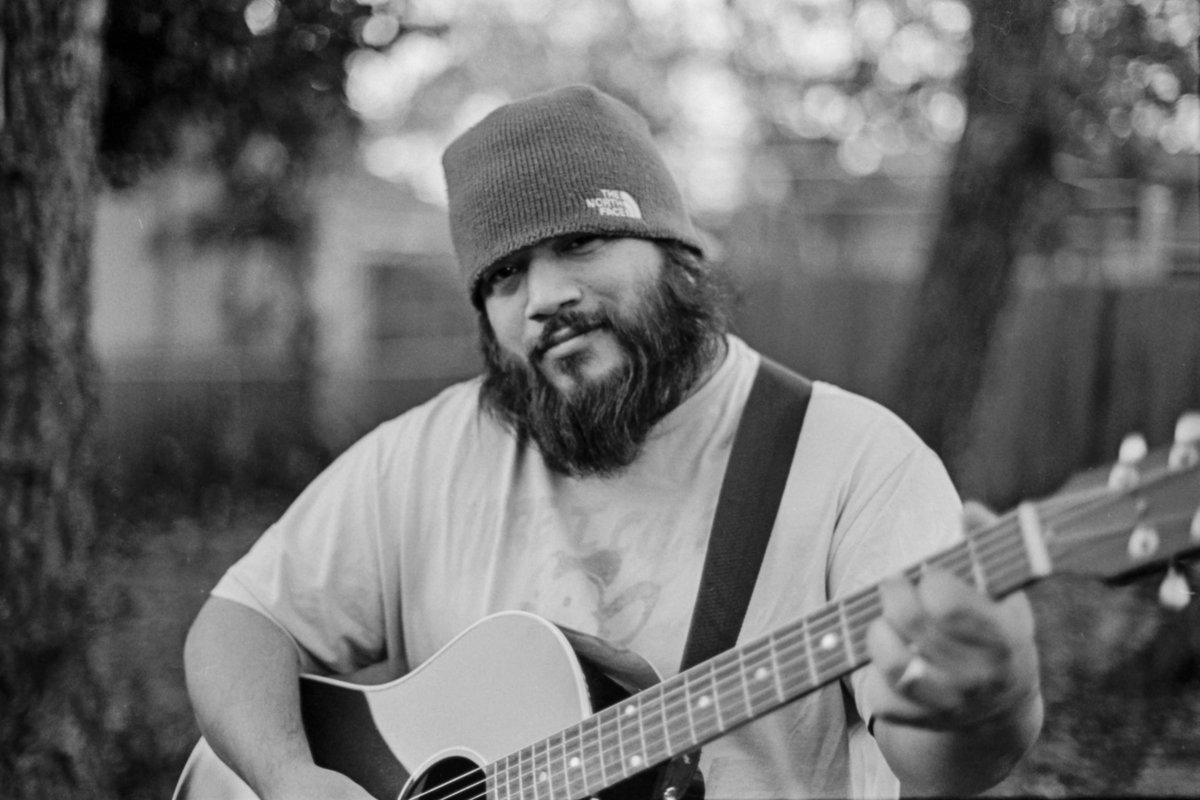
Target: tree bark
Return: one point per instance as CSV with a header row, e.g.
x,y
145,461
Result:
x,y
50,743
1002,164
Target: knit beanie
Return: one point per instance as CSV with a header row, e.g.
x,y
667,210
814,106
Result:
x,y
572,160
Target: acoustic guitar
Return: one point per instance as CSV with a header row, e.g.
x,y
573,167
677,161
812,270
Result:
x,y
516,707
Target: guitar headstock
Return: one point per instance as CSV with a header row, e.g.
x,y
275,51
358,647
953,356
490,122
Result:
x,y
1145,518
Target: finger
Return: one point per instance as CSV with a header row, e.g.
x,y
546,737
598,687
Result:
x,y
902,609
888,649
961,619
907,674
920,703
958,620
977,516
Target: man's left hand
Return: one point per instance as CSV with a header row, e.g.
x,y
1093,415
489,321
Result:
x,y
947,658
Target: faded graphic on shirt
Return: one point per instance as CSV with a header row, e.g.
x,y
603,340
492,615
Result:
x,y
581,592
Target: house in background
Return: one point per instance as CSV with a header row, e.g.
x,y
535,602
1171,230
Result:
x,y
825,273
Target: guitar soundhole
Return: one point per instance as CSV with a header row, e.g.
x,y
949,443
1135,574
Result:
x,y
454,778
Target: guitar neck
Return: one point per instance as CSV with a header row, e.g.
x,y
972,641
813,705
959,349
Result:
x,y
746,682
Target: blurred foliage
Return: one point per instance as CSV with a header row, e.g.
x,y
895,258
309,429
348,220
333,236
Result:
x,y
727,83
247,99
254,88
1130,82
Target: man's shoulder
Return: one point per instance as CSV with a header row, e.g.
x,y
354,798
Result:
x,y
454,410
850,416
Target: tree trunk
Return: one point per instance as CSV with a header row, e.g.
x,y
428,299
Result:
x,y
1002,164
50,743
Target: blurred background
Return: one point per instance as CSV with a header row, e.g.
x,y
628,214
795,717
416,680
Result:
x,y
225,258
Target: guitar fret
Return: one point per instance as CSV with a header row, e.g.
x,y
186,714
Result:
x,y
685,690
619,730
809,651
828,643
590,752
793,653
492,783
556,767
847,638
598,735
704,705
743,671
664,721
774,656
531,768
573,763
633,709
763,686
723,696
541,778
513,775
869,612
512,780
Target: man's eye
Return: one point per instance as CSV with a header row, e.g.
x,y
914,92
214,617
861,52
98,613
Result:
x,y
502,274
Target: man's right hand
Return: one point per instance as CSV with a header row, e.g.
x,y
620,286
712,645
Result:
x,y
243,675
316,783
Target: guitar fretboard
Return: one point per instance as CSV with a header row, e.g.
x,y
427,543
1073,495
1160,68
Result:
x,y
739,685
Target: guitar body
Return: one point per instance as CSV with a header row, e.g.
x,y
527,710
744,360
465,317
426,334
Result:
x,y
504,683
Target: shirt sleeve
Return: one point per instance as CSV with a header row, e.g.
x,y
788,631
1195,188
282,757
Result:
x,y
317,572
901,510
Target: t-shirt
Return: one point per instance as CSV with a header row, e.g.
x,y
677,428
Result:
x,y
438,518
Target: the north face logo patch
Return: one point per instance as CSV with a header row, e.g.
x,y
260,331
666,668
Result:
x,y
615,203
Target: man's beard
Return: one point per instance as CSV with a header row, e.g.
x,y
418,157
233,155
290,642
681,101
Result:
x,y
599,427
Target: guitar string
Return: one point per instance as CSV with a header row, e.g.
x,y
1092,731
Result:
x,y
714,679
865,603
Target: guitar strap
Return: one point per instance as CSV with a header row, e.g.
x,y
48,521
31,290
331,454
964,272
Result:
x,y
758,469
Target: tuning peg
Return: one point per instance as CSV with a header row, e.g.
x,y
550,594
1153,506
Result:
x,y
1124,473
1186,450
1174,593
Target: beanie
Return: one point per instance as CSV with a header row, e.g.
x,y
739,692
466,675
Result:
x,y
571,160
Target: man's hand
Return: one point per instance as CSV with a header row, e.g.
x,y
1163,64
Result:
x,y
954,683
315,783
947,658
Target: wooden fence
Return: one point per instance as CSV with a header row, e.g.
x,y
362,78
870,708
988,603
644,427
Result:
x,y
1072,369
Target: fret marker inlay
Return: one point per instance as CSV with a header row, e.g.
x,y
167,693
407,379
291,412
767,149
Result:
x,y
829,641
635,761
543,776
574,762
761,674
630,710
704,702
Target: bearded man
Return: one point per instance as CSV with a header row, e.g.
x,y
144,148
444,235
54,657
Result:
x,y
578,479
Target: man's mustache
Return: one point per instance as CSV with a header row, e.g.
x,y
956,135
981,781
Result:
x,y
571,323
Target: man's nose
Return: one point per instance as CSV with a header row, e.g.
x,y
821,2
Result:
x,y
550,288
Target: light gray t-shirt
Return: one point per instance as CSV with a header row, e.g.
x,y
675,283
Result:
x,y
437,519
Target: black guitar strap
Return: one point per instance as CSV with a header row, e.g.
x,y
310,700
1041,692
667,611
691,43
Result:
x,y
758,469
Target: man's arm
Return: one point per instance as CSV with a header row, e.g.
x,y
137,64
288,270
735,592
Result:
x,y
243,679
954,685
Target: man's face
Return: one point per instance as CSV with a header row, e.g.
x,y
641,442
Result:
x,y
589,342
552,306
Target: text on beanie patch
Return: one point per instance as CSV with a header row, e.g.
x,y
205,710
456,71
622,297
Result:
x,y
615,203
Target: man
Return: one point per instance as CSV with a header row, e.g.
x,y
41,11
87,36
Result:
x,y
578,479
